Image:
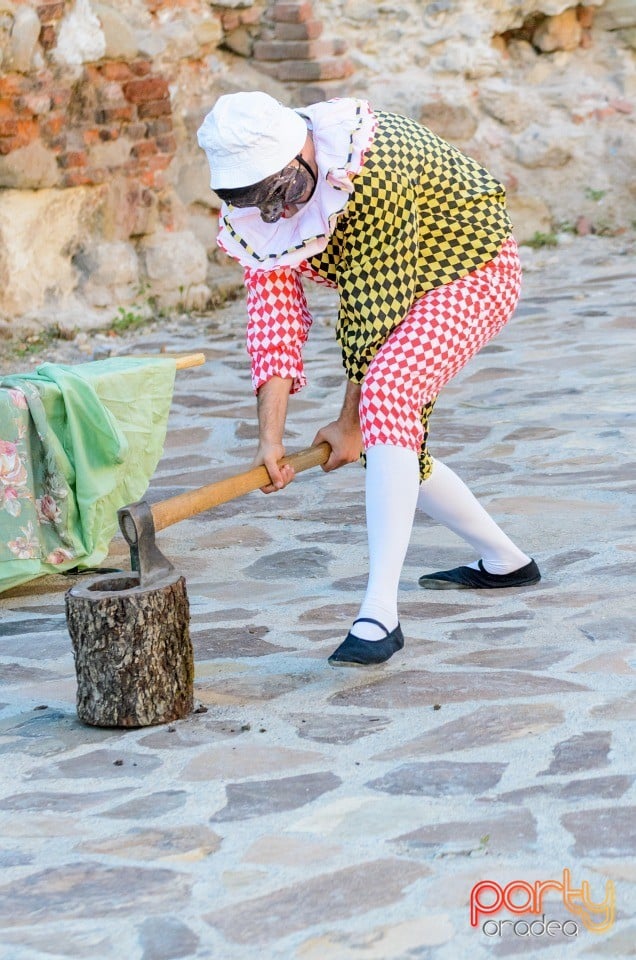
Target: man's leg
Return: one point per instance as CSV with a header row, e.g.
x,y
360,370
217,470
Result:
x,y
392,483
446,499
441,332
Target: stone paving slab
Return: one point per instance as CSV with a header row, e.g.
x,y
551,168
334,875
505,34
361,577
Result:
x,y
308,813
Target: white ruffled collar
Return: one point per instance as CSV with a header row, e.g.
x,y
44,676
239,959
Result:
x,y
342,131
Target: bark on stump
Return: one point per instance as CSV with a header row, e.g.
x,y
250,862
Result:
x,y
133,654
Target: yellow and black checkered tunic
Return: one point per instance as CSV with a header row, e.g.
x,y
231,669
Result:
x,y
422,214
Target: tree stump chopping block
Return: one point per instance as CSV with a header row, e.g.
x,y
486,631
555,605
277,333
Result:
x,y
133,654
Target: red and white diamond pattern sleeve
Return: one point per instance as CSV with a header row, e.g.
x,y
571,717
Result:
x,y
277,326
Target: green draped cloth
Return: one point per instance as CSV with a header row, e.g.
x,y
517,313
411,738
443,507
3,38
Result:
x,y
76,443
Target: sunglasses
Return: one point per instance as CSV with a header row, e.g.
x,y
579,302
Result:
x,y
273,194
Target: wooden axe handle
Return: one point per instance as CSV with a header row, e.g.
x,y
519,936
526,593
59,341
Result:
x,y
185,361
185,505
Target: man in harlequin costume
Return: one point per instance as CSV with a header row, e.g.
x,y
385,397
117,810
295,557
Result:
x,y
416,239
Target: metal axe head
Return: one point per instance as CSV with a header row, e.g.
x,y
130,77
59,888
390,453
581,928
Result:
x,y
138,527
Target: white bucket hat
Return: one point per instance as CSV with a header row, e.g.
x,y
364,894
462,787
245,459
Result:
x,y
249,136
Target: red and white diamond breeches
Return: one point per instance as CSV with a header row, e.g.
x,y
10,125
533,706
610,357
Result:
x,y
438,336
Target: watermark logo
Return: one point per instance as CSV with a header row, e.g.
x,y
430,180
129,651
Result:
x,y
520,897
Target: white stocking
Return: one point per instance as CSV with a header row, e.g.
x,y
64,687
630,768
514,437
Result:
x,y
392,481
447,499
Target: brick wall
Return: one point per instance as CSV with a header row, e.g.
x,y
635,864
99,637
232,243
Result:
x,y
87,134
71,117
110,102
292,48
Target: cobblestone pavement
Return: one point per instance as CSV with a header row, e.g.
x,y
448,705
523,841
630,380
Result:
x,y
309,813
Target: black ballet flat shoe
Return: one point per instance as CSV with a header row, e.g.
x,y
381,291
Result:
x,y
465,578
355,651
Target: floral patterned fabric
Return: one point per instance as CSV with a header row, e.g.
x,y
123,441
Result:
x,y
76,443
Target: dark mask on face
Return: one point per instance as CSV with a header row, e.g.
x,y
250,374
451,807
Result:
x,y
273,194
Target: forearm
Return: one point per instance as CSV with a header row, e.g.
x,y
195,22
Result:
x,y
349,415
271,402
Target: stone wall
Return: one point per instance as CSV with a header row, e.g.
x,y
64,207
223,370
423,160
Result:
x,y
105,202
543,92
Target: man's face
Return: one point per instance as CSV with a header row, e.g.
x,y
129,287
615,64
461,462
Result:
x,y
277,196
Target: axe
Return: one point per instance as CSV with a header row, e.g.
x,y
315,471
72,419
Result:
x,y
130,631
140,521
